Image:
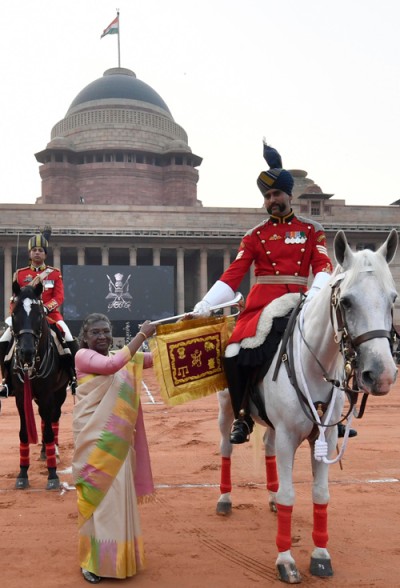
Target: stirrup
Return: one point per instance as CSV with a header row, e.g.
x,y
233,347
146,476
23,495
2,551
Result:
x,y
241,431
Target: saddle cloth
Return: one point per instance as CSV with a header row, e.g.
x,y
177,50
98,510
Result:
x,y
279,307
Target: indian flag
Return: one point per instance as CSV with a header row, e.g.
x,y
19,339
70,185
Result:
x,y
112,28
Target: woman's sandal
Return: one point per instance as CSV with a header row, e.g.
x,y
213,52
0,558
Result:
x,y
90,577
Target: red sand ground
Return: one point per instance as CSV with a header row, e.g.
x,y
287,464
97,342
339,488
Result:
x,y
187,544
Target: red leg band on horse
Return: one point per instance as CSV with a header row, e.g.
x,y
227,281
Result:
x,y
51,461
24,454
272,474
226,484
320,531
55,427
284,535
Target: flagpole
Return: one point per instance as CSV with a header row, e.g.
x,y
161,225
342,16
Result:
x,y
119,50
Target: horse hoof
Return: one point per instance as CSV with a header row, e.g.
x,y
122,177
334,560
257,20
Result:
x,y
53,484
321,567
21,483
287,572
224,508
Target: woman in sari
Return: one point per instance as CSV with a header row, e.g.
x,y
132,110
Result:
x,y
111,464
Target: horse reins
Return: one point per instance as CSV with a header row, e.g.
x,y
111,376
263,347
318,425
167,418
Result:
x,y
349,345
348,348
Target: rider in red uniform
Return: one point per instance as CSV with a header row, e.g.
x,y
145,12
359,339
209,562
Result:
x,y
52,297
284,248
53,287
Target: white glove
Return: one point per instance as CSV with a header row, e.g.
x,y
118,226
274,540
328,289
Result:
x,y
202,309
321,278
217,294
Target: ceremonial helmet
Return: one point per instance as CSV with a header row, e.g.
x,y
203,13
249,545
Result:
x,y
40,240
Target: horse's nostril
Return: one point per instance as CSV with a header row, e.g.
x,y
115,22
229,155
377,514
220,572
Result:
x,y
367,378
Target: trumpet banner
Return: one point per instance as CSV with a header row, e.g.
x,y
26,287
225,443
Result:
x,y
188,356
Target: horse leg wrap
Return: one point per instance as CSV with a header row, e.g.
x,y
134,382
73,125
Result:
x,y
55,427
272,473
51,455
24,455
284,534
320,530
226,484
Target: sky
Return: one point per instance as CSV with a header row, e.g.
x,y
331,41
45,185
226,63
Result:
x,y
319,80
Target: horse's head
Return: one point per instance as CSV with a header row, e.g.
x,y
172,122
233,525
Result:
x,y
363,297
28,318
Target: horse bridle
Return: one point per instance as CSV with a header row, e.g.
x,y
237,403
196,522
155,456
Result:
x,y
43,362
348,348
348,345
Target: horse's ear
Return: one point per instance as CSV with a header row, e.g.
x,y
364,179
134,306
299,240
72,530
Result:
x,y
341,248
16,288
388,249
38,289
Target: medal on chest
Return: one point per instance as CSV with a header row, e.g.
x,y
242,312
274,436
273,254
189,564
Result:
x,y
295,237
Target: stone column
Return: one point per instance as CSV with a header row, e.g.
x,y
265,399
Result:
x,y
7,279
57,256
180,280
81,256
203,273
104,256
132,256
156,256
227,258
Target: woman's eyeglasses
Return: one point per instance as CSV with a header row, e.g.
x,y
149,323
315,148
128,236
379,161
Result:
x,y
97,332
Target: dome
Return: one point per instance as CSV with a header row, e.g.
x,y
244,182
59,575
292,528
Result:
x,y
121,83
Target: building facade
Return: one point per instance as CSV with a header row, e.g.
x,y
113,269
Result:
x,y
119,187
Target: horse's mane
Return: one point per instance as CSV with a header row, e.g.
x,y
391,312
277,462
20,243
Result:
x,y
367,260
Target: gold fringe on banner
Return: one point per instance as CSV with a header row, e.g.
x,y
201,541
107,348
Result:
x,y
188,357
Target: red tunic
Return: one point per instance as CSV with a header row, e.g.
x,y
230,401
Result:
x,y
53,287
289,246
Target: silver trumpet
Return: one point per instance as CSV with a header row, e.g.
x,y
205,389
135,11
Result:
x,y
237,301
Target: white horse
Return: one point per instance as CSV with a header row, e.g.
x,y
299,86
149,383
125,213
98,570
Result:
x,y
341,343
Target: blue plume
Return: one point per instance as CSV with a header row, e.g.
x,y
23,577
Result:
x,y
272,157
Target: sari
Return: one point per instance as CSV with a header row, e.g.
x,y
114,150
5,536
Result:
x,y
111,466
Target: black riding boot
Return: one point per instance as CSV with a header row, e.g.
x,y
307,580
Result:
x,y
342,431
237,382
5,387
73,346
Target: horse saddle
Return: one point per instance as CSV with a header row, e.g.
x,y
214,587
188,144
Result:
x,y
279,333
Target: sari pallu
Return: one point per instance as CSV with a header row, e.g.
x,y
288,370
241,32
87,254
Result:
x,y
110,444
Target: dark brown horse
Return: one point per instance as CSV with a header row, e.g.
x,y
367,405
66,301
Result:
x,y
37,374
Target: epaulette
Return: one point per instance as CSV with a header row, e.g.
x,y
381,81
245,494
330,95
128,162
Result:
x,y
261,224
20,269
317,226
